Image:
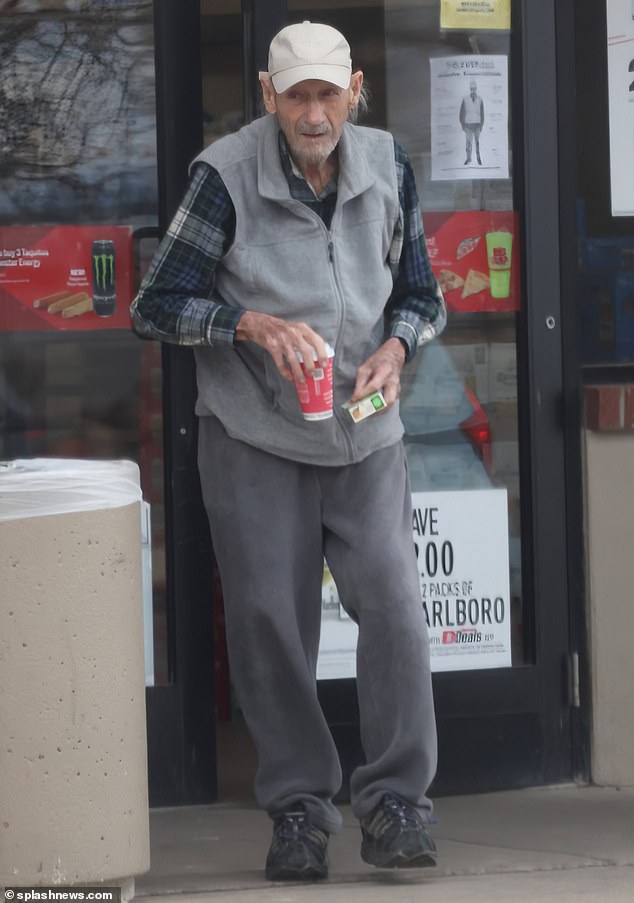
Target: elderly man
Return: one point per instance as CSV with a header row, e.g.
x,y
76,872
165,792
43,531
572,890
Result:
x,y
303,229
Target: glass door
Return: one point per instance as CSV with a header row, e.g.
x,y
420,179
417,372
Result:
x,y
454,89
481,406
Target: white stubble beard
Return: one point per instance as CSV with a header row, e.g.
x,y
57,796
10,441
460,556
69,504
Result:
x,y
315,155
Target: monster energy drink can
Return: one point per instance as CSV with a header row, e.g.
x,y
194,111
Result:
x,y
103,278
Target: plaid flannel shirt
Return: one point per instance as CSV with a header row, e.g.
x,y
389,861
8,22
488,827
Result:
x,y
176,303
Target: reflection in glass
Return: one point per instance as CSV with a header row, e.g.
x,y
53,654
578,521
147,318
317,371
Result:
x,y
221,54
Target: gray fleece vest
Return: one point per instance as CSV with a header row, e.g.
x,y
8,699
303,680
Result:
x,y
285,262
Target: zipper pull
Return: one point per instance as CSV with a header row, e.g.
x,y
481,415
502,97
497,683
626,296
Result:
x,y
331,255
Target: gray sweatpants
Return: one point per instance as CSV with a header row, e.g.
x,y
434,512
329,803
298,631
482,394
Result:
x,y
272,522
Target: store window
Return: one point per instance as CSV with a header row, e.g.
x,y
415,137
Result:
x,y
445,83
604,41
77,220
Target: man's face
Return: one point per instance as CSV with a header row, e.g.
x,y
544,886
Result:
x,y
474,90
312,115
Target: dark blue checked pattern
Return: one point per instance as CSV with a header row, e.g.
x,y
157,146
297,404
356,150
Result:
x,y
176,300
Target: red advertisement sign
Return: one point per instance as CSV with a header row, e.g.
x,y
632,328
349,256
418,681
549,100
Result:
x,y
475,257
65,277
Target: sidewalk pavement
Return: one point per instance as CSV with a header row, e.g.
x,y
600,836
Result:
x,y
564,843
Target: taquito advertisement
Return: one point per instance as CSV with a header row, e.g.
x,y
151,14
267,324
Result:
x,y
475,257
65,278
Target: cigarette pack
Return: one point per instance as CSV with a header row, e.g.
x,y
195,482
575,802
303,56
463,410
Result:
x,y
365,407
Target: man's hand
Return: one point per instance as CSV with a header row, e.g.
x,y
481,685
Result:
x,y
382,370
282,340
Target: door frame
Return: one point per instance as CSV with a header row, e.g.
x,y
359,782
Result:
x,y
180,714
572,389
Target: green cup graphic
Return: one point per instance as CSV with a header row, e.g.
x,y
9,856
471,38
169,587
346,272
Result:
x,y
499,247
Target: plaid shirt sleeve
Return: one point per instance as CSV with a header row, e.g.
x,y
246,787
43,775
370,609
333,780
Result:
x,y
174,302
415,311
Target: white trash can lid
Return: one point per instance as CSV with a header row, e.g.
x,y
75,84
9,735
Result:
x,y
34,487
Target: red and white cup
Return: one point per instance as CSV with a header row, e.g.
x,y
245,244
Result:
x,y
315,394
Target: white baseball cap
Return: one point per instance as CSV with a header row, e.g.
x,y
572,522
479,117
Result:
x,y
308,50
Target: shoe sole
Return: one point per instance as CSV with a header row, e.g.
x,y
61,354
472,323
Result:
x,y
398,860
310,873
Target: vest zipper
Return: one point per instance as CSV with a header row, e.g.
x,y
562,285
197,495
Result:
x,y
331,258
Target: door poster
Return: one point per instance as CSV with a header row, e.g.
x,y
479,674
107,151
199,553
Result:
x,y
475,256
469,117
620,16
65,278
471,15
462,548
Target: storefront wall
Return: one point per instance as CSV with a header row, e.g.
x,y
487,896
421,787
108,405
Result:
x,y
604,292
484,440
610,526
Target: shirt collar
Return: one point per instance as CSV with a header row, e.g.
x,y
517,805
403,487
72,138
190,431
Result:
x,y
356,175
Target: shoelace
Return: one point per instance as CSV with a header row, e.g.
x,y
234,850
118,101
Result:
x,y
294,825
390,811
290,825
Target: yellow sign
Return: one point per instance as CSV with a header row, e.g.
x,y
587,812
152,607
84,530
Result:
x,y
470,15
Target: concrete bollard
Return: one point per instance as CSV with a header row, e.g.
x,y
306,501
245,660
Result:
x,y
73,762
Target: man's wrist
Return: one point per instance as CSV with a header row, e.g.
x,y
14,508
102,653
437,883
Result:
x,y
399,346
407,339
403,345
243,326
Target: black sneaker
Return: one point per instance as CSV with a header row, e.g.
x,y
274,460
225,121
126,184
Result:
x,y
298,849
395,836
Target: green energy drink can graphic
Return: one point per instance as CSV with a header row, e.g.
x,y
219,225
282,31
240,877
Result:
x,y
103,278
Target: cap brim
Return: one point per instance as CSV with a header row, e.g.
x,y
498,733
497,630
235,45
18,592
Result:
x,y
335,75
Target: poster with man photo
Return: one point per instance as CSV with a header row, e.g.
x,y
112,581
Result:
x,y
469,117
